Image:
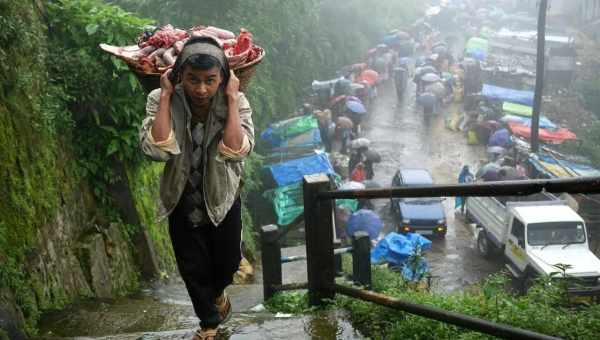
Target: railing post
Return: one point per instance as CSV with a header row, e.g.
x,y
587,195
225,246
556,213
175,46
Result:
x,y
318,219
339,271
271,259
361,259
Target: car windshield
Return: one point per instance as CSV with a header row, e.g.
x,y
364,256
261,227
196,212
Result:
x,y
540,234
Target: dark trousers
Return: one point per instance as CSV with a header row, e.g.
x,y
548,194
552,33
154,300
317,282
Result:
x,y
207,258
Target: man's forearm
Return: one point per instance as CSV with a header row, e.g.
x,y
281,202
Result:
x,y
161,128
233,136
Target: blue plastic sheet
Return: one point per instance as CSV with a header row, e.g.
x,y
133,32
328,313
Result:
x,y
562,168
396,248
507,95
293,171
417,273
545,123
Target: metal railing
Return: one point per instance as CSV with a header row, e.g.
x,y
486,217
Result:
x,y
321,259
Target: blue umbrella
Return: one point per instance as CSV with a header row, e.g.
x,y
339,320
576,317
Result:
x,y
356,107
364,220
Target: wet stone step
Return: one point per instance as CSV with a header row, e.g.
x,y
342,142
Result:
x,y
256,326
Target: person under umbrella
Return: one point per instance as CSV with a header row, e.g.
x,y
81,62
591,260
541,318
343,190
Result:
x,y
501,138
343,133
489,172
371,157
359,174
365,220
356,110
325,126
357,156
365,203
428,101
465,176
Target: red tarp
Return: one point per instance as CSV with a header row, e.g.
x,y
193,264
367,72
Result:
x,y
549,136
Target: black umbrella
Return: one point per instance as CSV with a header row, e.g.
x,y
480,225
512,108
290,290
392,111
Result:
x,y
371,184
373,156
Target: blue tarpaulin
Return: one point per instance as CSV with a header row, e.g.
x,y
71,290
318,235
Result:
x,y
415,272
507,95
555,168
545,123
396,248
292,171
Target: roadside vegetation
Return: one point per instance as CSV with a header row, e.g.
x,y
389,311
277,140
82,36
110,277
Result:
x,y
543,309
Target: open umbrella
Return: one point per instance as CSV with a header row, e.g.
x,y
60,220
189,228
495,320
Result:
x,y
440,49
426,69
437,88
488,172
432,11
356,107
508,173
352,186
433,57
439,44
497,150
369,76
360,143
365,220
373,156
344,123
403,35
431,78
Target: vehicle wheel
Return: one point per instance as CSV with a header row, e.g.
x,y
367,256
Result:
x,y
527,282
483,244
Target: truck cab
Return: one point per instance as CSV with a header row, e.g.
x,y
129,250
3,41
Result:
x,y
540,237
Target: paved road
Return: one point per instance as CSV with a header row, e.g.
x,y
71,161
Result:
x,y
399,132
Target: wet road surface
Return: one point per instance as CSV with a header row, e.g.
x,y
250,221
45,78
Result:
x,y
405,139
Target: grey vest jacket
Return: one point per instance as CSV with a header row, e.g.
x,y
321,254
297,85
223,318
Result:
x,y
222,177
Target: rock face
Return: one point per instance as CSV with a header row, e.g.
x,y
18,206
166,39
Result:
x,y
57,242
75,259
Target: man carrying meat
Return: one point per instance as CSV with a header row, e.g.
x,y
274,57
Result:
x,y
201,126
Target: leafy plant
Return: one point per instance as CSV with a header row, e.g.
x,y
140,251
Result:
x,y
104,98
491,301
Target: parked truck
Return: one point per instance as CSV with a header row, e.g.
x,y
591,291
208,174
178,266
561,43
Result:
x,y
536,233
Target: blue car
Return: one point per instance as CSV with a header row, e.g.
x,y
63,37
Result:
x,y
425,216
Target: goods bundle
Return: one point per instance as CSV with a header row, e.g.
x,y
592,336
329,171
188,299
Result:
x,y
157,49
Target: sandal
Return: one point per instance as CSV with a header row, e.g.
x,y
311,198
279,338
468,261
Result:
x,y
224,307
205,334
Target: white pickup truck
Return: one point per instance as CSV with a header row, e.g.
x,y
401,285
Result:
x,y
535,233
